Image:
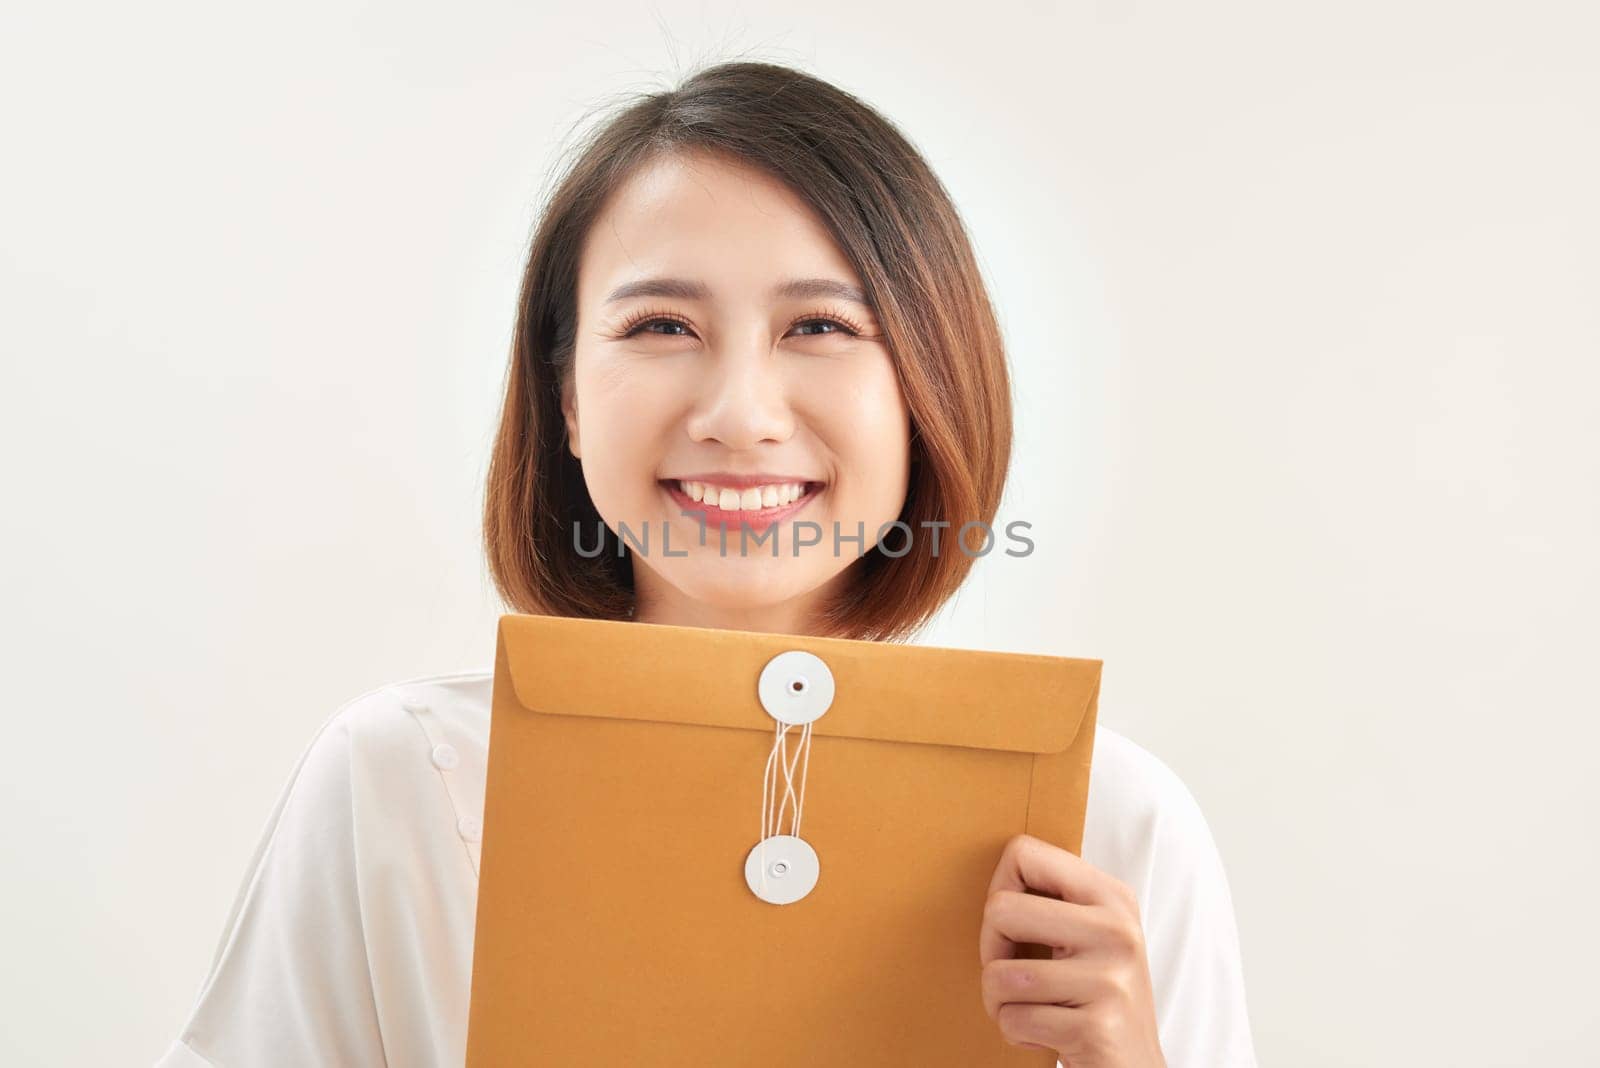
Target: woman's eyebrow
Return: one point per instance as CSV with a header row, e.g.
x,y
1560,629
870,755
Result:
x,y
812,288
686,289
680,288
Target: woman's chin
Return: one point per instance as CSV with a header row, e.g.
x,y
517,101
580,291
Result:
x,y
735,584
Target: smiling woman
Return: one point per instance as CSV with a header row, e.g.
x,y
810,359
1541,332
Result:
x,y
750,282
749,306
760,392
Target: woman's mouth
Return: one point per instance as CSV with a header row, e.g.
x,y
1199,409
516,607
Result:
x,y
757,506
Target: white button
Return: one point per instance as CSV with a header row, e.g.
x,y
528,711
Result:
x,y
782,869
445,756
411,704
470,828
795,687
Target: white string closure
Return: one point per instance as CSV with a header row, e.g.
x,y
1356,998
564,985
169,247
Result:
x,y
769,782
795,688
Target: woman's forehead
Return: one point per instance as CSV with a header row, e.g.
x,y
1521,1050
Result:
x,y
733,228
693,183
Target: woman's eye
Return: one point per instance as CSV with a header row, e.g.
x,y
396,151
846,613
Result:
x,y
833,327
675,328
647,325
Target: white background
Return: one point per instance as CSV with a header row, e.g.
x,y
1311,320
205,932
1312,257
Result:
x,y
1301,301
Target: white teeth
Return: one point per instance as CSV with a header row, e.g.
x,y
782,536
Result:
x,y
770,496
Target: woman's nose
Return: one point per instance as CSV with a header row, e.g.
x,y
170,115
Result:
x,y
742,398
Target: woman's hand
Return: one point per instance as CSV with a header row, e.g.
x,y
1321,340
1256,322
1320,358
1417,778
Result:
x,y
1091,1001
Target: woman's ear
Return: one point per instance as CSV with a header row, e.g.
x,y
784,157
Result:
x,y
569,412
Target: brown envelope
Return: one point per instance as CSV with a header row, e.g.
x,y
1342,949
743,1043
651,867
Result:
x,y
615,925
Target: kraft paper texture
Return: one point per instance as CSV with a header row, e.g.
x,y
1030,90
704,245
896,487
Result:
x,y
624,789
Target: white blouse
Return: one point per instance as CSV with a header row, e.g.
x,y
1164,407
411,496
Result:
x,y
350,939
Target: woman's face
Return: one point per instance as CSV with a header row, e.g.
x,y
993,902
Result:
x,y
728,366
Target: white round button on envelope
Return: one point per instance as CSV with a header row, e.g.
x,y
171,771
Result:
x,y
782,869
445,756
795,687
469,828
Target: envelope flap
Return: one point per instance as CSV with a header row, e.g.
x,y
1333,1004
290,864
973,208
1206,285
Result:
x,y
883,691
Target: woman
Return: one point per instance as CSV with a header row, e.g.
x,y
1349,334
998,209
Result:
x,y
749,298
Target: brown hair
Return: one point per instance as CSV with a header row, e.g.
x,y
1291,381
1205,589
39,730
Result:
x,y
894,221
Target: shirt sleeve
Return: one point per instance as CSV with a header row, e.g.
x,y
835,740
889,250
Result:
x,y
289,983
1146,828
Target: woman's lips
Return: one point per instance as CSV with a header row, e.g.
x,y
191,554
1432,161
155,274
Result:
x,y
758,519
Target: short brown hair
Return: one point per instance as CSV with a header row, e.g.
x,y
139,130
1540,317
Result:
x,y
894,221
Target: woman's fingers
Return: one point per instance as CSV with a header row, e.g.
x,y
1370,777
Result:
x,y
1094,899
1027,862
1013,916
1094,993
1069,982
